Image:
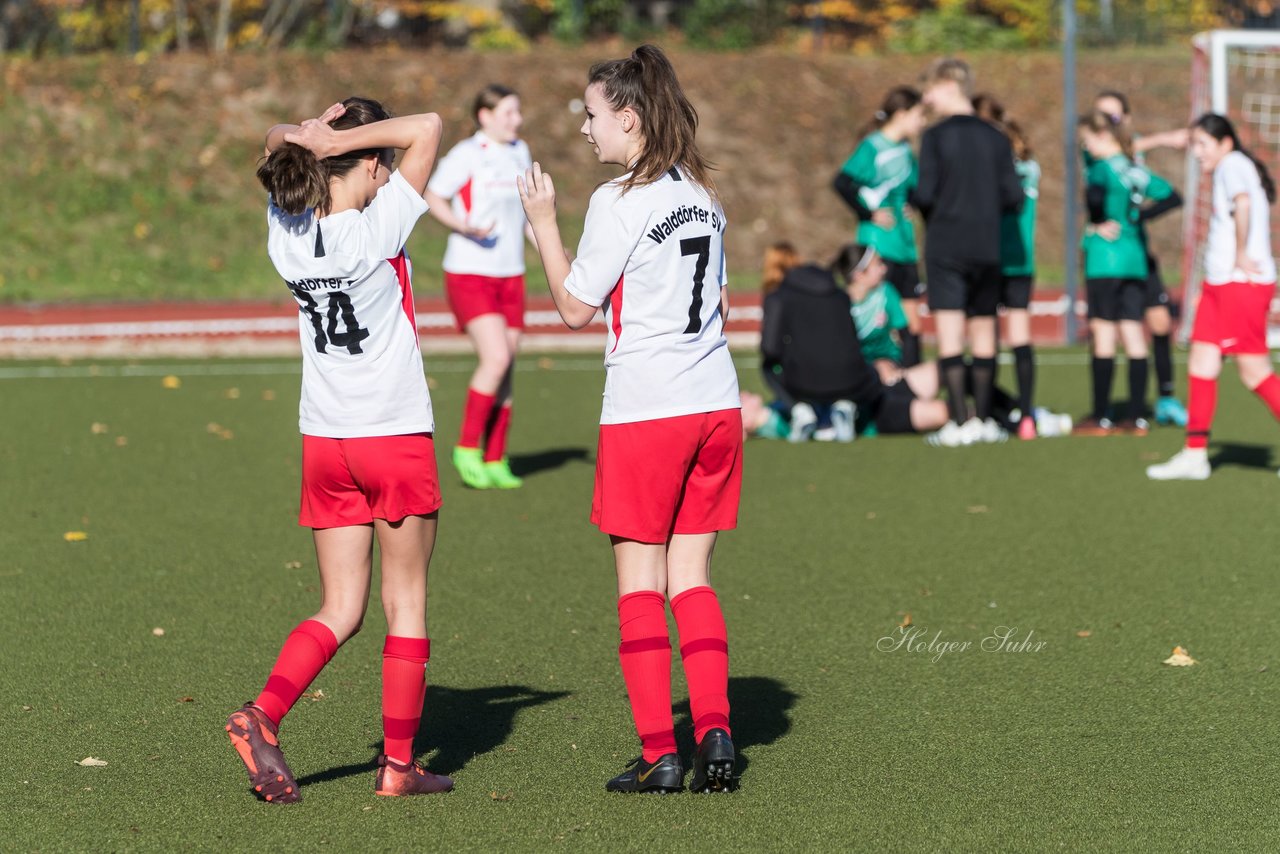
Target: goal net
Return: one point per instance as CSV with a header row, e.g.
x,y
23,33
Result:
x,y
1235,73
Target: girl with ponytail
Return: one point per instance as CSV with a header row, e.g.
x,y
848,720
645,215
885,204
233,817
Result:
x,y
1116,267
338,217
875,182
1235,299
669,461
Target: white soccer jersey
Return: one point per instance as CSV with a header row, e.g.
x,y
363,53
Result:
x,y
480,176
1235,174
361,368
656,254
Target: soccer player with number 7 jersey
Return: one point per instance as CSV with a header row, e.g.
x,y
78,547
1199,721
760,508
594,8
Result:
x,y
337,221
669,461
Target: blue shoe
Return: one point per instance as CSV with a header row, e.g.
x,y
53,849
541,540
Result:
x,y
1171,412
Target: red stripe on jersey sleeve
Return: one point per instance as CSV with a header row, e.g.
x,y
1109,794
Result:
x,y
400,264
464,193
615,310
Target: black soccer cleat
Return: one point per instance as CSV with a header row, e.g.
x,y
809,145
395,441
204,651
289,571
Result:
x,y
713,763
660,777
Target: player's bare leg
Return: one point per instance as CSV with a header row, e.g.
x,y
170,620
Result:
x,y
496,464
488,334
405,547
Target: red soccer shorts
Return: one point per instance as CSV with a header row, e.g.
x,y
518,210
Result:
x,y
679,475
471,296
1233,317
354,481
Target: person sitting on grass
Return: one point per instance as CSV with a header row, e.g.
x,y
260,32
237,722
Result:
x,y
813,357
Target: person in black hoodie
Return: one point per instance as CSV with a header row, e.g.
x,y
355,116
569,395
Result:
x,y
967,182
812,359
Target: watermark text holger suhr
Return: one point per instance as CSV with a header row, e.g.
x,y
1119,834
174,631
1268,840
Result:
x,y
917,639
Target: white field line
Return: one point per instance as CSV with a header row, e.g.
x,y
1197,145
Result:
x,y
528,363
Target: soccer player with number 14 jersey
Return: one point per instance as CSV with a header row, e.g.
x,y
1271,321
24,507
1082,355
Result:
x,y
669,461
337,221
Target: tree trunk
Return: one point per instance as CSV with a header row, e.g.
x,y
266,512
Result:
x,y
222,35
181,25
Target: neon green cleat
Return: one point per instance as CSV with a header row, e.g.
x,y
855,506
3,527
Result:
x,y
471,467
500,476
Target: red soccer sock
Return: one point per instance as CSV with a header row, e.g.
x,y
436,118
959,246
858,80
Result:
x,y
645,655
1269,391
495,444
306,651
404,687
1202,399
704,648
474,416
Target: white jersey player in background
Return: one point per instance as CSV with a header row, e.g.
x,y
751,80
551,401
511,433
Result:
x,y
1235,299
669,461
473,193
337,221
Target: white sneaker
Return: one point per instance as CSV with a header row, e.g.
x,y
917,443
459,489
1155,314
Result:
x,y
974,431
991,432
824,434
1187,464
842,415
804,421
1052,423
952,435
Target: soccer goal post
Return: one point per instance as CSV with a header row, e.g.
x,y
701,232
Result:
x,y
1235,73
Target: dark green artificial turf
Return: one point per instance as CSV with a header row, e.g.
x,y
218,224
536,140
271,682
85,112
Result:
x,y
1088,743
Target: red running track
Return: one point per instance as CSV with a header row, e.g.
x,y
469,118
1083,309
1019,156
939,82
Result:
x,y
265,328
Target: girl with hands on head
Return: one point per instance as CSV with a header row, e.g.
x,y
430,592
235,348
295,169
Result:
x,y
338,217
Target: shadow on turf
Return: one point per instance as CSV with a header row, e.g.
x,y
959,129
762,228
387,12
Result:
x,y
458,724
1247,456
758,713
524,465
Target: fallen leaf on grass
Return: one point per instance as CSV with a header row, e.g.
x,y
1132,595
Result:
x,y
171,382
293,564
906,619
871,515
91,762
495,796
98,428
546,364
1083,633
186,699
213,428
977,508
121,441
232,394
158,632
75,536
30,708
314,696
432,384
268,394
1180,658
